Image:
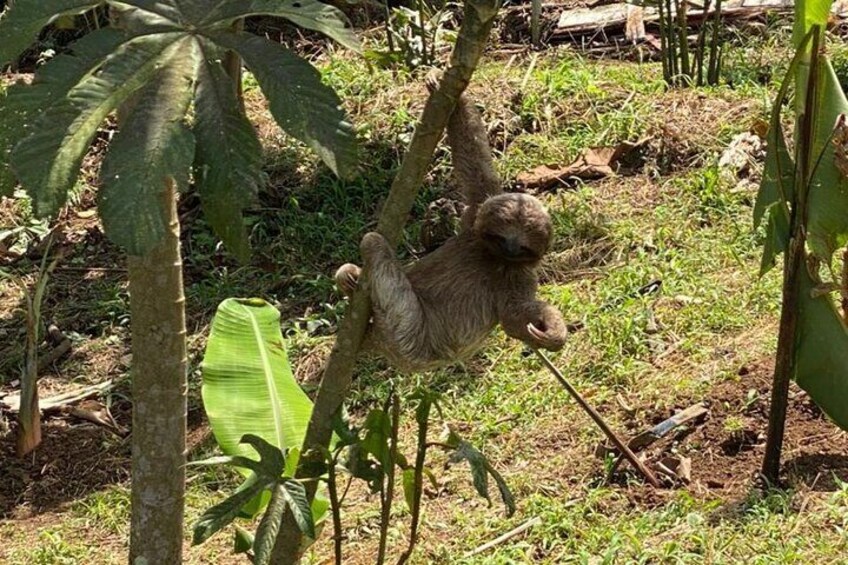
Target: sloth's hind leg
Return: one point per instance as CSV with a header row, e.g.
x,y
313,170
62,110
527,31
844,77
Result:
x,y
397,310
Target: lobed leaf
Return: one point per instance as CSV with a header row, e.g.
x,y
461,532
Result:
x,y
269,526
152,147
228,162
295,495
309,14
217,517
22,20
23,103
302,105
47,161
272,461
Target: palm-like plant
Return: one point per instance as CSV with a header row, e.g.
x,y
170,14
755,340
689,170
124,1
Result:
x,y
161,60
163,55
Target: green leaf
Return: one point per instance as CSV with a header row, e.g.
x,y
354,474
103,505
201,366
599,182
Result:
x,y
378,431
248,387
22,20
229,157
822,351
271,459
409,487
827,203
807,14
23,103
309,14
242,540
302,105
480,471
477,462
269,526
47,161
225,512
295,495
152,147
777,237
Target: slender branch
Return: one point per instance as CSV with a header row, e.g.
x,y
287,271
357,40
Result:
x,y
386,501
336,510
478,18
784,366
622,447
421,453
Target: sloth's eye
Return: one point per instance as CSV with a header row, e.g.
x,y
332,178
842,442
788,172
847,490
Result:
x,y
493,237
527,251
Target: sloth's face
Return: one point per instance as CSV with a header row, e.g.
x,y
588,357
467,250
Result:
x,y
514,227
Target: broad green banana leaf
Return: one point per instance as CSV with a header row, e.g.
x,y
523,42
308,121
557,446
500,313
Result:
x,y
248,386
821,366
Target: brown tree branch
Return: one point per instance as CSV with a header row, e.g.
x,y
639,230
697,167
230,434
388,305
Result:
x,y
479,15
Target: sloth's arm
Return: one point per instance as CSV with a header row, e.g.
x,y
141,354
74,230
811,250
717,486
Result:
x,y
534,322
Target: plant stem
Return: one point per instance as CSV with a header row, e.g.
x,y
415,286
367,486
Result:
x,y
664,47
423,417
336,509
477,22
386,501
535,22
784,367
702,41
714,67
682,9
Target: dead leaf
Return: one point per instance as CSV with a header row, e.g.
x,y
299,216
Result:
x,y
675,467
840,141
634,29
593,163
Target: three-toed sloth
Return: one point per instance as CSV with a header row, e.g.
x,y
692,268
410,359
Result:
x,y
441,308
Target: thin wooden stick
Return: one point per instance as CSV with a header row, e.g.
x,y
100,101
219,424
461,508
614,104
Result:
x,y
505,537
622,447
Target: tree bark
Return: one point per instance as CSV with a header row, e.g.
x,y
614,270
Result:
x,y
157,307
479,15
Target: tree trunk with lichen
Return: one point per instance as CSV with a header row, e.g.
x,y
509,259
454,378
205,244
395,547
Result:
x,y
157,308
479,15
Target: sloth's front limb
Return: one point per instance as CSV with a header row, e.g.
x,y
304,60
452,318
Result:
x,y
534,322
398,314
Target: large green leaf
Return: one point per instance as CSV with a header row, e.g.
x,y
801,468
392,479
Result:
x,y
47,161
304,106
228,163
248,387
827,203
807,14
152,147
23,19
822,352
309,14
22,103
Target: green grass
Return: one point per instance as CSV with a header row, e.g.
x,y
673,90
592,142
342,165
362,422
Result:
x,y
679,221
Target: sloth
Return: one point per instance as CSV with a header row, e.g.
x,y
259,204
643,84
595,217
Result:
x,y
441,308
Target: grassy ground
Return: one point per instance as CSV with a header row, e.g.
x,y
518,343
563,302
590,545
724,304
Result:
x,y
708,335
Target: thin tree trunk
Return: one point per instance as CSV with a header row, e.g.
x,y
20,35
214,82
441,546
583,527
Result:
x,y
784,367
157,308
479,15
535,23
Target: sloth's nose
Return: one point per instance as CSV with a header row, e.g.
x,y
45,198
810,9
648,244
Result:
x,y
511,246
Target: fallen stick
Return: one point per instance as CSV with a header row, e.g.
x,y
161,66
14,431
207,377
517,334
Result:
x,y
634,460
13,402
505,537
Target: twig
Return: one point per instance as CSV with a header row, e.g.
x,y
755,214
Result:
x,y
505,537
622,447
